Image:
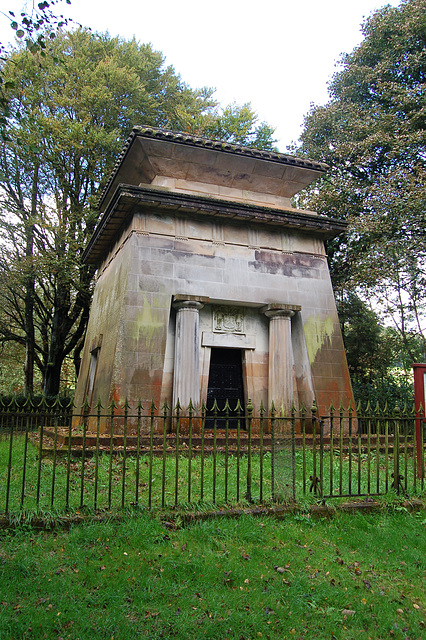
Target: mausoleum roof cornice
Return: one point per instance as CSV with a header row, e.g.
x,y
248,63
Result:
x,y
150,152
128,199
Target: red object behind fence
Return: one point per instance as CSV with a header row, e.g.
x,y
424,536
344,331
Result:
x,y
419,370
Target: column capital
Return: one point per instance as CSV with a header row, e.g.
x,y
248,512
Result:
x,y
284,310
182,301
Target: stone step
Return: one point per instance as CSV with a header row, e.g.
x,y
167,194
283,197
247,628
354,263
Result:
x,y
210,442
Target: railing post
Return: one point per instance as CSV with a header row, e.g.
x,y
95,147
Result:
x,y
124,461
163,478
203,427
359,448
27,407
293,448
151,453
177,414
68,480
315,481
9,466
112,409
377,430
341,421
139,409
249,408
261,415
396,484
83,451
98,427
273,452
331,412
350,448
190,418
303,421
215,410
40,456
55,447
227,410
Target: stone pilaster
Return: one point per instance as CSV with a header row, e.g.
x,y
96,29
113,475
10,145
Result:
x,y
186,381
280,384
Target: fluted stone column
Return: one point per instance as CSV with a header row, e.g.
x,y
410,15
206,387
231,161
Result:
x,y
186,378
281,394
280,385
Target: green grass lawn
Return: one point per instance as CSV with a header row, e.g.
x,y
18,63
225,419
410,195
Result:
x,y
351,577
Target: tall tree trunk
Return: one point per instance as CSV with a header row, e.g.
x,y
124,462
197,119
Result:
x,y
30,289
58,336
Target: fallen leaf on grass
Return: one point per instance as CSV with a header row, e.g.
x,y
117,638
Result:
x,y
355,568
348,612
279,569
227,577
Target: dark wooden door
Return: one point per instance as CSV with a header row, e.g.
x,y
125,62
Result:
x,y
225,383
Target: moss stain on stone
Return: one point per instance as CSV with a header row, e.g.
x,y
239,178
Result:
x,y
151,323
317,331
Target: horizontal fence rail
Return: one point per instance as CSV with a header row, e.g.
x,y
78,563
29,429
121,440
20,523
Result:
x,y
55,458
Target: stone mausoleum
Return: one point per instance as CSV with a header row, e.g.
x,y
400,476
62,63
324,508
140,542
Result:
x,y
209,283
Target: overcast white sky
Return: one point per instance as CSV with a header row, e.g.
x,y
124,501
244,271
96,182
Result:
x,y
276,54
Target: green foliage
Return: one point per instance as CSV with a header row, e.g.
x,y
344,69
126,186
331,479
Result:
x,y
68,116
12,356
378,360
239,125
37,29
372,134
388,391
357,320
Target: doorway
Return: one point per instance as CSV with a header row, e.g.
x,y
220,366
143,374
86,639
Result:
x,y
225,383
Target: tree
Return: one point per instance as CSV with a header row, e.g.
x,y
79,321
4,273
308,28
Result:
x,y
365,360
69,115
37,28
238,124
372,134
378,359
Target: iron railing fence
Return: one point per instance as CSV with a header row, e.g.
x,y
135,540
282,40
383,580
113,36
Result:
x,y
126,456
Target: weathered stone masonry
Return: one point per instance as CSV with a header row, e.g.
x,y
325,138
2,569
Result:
x,y
200,255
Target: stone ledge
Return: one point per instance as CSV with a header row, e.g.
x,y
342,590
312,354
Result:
x,y
185,518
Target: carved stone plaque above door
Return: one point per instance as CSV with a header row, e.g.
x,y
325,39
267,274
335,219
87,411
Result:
x,y
228,319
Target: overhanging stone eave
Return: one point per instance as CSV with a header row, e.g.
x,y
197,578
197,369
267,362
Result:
x,y
134,164
128,198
